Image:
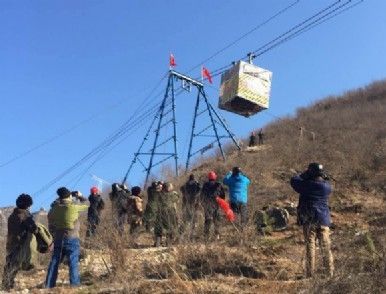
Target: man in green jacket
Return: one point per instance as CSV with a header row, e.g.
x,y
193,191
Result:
x,y
64,221
21,228
166,220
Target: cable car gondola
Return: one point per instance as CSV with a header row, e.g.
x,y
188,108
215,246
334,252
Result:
x,y
245,89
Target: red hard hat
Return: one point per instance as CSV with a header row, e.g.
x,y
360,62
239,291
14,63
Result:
x,y
94,190
212,176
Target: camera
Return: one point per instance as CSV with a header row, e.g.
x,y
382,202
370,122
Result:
x,y
76,194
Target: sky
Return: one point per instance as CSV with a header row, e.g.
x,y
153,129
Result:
x,y
72,72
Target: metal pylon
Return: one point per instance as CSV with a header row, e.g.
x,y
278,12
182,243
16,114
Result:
x,y
216,123
167,115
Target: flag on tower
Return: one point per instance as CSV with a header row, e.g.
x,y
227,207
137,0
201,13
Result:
x,y
206,74
172,61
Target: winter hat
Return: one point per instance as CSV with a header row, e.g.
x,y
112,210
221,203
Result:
x,y
315,169
24,201
236,170
94,190
63,193
212,176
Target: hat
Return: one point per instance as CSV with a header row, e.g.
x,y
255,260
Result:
x,y
94,190
315,169
236,170
63,193
212,176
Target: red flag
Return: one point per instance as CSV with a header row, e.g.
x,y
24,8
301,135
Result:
x,y
206,74
230,215
172,61
224,205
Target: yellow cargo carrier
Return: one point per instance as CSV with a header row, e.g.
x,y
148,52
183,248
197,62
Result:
x,y
245,89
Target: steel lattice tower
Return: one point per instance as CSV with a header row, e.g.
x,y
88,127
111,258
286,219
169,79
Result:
x,y
166,115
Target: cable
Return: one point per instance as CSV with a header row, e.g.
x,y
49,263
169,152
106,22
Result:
x,y
77,177
277,14
302,27
297,26
314,23
105,144
328,18
77,125
52,139
94,151
106,150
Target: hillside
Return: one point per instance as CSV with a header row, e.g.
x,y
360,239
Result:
x,y
347,134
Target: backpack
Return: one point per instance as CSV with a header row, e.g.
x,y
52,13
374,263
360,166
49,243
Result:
x,y
44,239
121,201
280,217
134,204
192,187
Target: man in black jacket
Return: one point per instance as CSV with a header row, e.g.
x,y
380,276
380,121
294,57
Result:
x,y
314,214
190,201
94,210
210,190
21,226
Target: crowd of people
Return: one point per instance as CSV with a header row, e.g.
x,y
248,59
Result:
x,y
160,216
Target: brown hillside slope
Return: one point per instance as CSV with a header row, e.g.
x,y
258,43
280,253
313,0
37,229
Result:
x,y
348,135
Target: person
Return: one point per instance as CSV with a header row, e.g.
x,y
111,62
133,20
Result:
x,y
263,226
190,201
94,210
21,228
166,221
119,196
149,214
271,218
261,137
135,209
314,214
63,217
252,140
238,193
210,190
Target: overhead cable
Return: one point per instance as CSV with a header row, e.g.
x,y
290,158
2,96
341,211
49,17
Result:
x,y
265,22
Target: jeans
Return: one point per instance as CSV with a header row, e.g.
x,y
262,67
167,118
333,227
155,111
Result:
x,y
69,247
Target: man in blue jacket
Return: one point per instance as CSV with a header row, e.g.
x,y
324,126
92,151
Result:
x,y
238,193
314,214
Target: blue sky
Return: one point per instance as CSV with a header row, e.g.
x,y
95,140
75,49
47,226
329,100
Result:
x,y
62,62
